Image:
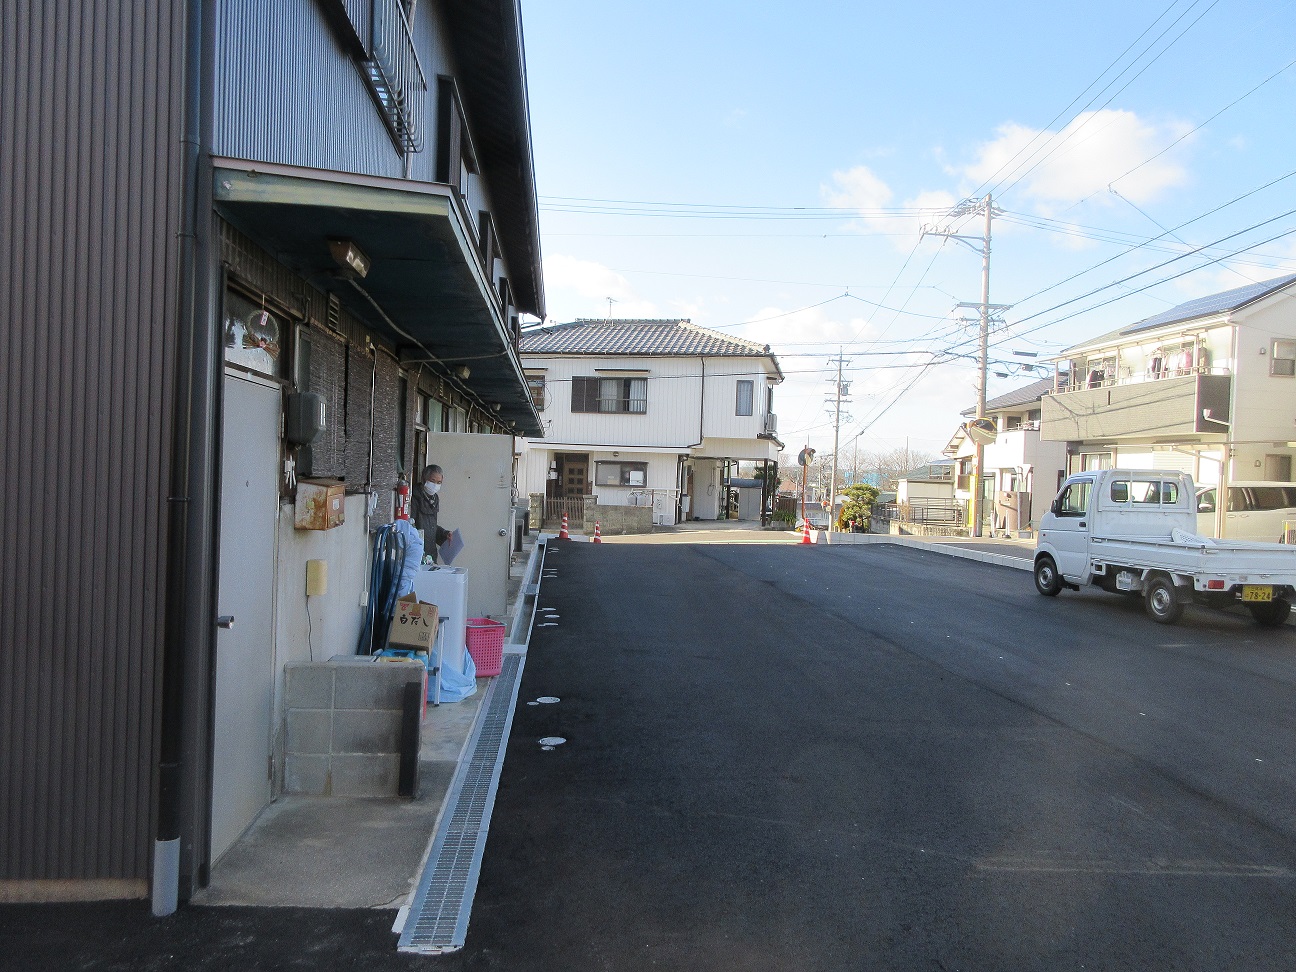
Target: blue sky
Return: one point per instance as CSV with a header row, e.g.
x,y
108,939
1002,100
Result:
x,y
662,130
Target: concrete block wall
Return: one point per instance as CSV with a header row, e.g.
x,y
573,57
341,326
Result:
x,y
614,520
342,726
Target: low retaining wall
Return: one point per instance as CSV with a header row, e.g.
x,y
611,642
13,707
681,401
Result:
x,y
617,520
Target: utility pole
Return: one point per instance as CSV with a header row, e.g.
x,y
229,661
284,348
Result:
x,y
980,243
840,396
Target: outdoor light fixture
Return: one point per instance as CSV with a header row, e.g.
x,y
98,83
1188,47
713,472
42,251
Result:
x,y
349,256
463,371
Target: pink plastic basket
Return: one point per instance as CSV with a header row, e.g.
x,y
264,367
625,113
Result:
x,y
486,645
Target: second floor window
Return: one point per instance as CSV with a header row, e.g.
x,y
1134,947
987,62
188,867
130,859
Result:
x,y
609,395
1283,359
745,397
536,386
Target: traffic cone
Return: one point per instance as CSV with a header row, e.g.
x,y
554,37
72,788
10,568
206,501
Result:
x,y
598,533
805,532
563,534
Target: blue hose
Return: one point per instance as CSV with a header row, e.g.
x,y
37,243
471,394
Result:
x,y
384,590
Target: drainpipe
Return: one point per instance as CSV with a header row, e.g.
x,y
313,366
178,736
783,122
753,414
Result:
x,y
189,627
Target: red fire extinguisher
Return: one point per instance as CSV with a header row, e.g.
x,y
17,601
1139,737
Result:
x,y
402,500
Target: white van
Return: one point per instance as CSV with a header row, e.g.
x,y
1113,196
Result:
x,y
1256,511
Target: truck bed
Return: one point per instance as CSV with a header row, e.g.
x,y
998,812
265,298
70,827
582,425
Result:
x,y
1237,560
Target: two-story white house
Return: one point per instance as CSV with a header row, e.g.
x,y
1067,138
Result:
x,y
1021,469
648,412
1206,387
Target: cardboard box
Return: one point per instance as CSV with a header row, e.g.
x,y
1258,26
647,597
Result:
x,y
320,504
414,625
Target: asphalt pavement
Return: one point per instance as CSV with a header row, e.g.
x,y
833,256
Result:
x,y
882,758
837,757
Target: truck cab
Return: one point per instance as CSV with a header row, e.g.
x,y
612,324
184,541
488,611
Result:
x,y
1133,531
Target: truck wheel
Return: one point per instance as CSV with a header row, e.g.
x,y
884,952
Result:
x,y
1047,580
1270,615
1162,604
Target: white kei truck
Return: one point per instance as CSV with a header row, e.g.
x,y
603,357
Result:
x,y
1133,532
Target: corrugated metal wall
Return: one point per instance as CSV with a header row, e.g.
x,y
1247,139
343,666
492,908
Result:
x,y
300,100
90,123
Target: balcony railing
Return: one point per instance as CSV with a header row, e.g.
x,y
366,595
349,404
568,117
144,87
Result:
x,y
395,75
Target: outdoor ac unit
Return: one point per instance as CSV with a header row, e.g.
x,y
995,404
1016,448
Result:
x,y
771,424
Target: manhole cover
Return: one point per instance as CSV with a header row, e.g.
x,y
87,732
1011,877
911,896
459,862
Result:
x,y
550,742
548,699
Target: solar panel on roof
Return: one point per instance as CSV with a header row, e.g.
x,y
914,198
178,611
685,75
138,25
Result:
x,y
1213,304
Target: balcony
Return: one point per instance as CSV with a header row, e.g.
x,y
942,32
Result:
x,y
1190,404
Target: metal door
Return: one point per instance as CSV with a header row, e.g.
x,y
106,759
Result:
x,y
1069,530
245,652
477,500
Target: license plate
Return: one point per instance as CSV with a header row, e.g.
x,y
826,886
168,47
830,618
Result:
x,y
1257,592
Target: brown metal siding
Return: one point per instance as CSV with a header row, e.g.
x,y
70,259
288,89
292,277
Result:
x,y
90,120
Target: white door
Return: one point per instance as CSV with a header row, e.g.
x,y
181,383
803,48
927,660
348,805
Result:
x,y
477,500
245,652
1068,529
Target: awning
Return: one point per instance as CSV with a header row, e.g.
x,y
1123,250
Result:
x,y
425,288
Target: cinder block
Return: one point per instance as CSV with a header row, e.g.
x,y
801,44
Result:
x,y
309,731
366,731
306,775
365,774
308,685
378,685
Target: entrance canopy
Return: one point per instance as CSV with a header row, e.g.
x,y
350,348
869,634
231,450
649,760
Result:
x,y
425,287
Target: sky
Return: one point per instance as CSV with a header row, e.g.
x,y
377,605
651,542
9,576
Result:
x,y
766,170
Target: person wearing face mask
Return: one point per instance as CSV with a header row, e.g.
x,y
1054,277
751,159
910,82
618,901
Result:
x,y
425,505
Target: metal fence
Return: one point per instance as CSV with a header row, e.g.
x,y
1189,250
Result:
x,y
934,512
573,506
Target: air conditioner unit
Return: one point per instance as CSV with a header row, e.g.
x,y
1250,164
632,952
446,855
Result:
x,y
771,424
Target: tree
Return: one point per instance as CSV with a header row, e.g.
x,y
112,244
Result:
x,y
858,506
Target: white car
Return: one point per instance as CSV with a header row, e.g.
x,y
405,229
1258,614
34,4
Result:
x,y
1256,511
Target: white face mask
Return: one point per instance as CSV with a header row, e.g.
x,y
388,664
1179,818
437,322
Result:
x,y
431,488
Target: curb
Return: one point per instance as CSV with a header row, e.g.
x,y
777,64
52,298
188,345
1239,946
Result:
x,y
948,550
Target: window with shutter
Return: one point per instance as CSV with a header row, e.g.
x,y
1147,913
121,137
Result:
x,y
585,395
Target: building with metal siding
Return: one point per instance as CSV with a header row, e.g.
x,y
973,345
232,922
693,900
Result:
x,y
143,196
91,176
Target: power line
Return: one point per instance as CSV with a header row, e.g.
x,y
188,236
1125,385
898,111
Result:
x,y
1120,57
1072,134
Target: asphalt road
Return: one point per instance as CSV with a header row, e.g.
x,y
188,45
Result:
x,y
835,758
882,758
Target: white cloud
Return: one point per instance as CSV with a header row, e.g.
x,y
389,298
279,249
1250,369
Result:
x,y
857,188
580,288
1083,158
861,189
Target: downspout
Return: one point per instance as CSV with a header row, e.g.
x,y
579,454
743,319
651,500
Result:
x,y
189,627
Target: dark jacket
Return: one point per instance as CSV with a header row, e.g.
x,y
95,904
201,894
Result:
x,y
423,514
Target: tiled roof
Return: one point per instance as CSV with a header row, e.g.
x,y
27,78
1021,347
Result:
x,y
1019,396
1228,300
635,337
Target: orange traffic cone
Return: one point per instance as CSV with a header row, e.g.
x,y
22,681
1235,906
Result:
x,y
563,534
598,533
805,532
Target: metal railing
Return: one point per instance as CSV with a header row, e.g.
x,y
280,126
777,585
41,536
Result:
x,y
1065,383
395,75
573,506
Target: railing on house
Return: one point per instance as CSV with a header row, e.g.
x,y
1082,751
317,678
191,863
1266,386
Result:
x,y
1065,382
943,512
573,506
395,75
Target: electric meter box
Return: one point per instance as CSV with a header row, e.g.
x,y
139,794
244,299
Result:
x,y
306,418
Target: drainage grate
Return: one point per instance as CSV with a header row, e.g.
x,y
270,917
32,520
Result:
x,y
438,915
